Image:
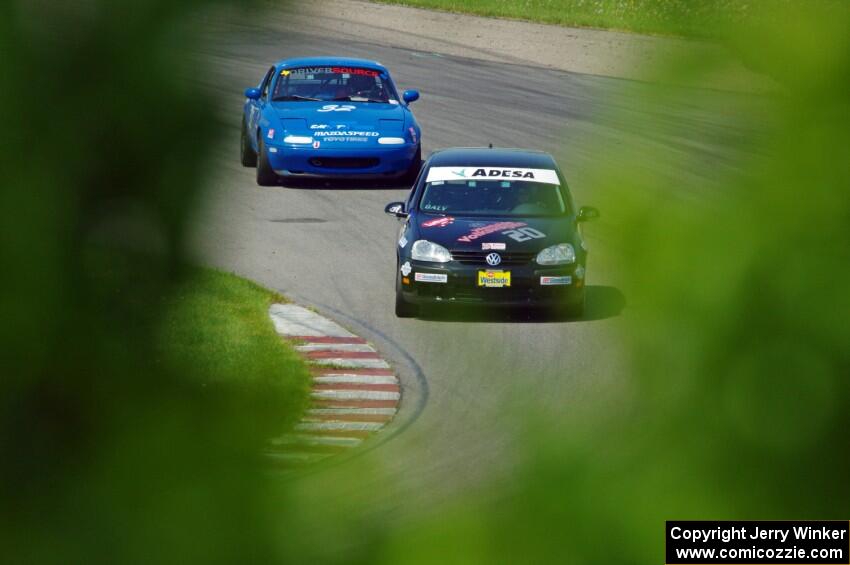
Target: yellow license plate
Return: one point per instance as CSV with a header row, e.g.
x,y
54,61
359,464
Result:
x,y
495,279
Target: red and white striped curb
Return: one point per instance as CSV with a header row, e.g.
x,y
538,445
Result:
x,y
355,392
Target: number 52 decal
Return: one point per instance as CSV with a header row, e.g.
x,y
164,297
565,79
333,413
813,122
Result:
x,y
336,108
524,234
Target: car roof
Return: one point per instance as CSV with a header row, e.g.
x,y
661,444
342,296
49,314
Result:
x,y
324,61
492,157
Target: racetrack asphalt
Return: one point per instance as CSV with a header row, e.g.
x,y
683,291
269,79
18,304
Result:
x,y
333,248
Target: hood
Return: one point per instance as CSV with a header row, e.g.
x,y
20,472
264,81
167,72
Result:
x,y
308,117
515,234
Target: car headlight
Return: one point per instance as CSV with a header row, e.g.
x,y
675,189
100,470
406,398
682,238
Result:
x,y
561,254
424,250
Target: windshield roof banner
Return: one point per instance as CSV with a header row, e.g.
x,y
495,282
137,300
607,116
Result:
x,y
330,70
547,176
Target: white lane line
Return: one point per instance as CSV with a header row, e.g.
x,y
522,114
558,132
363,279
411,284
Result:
x,y
352,411
336,347
353,363
316,440
290,319
356,379
347,426
356,395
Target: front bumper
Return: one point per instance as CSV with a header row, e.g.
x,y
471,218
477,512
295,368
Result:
x,y
526,289
341,160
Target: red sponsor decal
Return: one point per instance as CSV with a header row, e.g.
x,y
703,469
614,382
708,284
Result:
x,y
439,222
353,71
488,229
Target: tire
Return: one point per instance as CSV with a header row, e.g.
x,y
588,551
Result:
x,y
247,154
265,174
403,308
415,165
575,310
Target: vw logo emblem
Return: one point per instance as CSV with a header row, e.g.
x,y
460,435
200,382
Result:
x,y
493,259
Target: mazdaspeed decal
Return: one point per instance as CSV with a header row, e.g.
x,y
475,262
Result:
x,y
547,176
348,133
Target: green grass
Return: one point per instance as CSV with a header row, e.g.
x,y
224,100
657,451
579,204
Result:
x,y
217,329
664,17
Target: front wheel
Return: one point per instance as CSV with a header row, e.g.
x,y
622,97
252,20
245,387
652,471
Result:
x,y
573,310
265,174
247,154
415,165
403,308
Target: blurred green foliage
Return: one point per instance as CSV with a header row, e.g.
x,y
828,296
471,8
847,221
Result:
x,y
114,452
117,447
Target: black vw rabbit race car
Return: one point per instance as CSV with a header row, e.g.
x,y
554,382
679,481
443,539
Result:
x,y
491,226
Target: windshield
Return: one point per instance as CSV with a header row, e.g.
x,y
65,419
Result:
x,y
493,192
352,84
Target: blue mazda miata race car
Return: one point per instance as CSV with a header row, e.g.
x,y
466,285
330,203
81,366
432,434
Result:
x,y
329,117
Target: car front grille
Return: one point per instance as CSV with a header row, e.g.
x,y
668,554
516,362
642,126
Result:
x,y
344,162
512,258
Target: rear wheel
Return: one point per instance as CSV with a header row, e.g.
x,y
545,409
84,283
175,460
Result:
x,y
247,154
265,174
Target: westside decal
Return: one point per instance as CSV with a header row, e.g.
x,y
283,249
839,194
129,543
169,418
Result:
x,y
488,229
438,222
546,176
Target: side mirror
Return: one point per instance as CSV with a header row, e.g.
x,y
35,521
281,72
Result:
x,y
395,209
410,96
252,93
587,213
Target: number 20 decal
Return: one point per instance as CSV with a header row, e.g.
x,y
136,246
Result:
x,y
524,234
336,108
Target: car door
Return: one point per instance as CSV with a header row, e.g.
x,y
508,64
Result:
x,y
256,106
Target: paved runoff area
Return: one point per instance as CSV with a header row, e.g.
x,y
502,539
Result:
x,y
355,391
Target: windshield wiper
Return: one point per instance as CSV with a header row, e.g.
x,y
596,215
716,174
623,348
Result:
x,y
295,97
358,99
